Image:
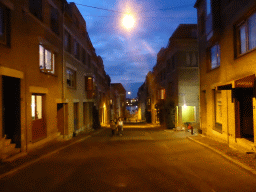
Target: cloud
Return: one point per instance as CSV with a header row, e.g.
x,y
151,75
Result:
x,y
129,55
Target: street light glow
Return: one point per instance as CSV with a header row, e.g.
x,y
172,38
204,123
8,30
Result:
x,y
128,21
129,93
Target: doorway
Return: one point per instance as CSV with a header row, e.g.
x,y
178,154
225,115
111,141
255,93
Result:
x,y
11,109
76,122
38,121
62,117
244,114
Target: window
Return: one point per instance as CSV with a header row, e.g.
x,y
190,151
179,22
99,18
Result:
x,y
35,7
191,60
71,78
36,107
247,35
215,56
171,63
148,101
161,94
218,110
83,56
67,42
208,23
76,50
4,25
54,20
46,60
89,87
208,7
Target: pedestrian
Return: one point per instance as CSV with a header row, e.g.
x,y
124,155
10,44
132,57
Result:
x,y
191,128
120,126
113,127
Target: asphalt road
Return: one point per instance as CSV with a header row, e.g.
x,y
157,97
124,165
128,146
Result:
x,y
141,160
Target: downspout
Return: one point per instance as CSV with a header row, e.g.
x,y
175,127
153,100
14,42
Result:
x,y
227,118
63,71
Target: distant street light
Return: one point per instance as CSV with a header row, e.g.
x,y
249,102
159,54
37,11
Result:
x,y
129,93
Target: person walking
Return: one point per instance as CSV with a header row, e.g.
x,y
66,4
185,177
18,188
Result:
x,y
113,127
120,126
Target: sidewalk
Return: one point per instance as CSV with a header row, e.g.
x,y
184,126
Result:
x,y
13,164
244,160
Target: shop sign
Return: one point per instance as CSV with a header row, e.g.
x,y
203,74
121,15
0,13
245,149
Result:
x,y
245,82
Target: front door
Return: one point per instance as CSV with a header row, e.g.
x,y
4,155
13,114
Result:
x,y
244,115
11,109
38,121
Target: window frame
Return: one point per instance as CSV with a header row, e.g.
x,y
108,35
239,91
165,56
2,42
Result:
x,y
5,23
53,60
67,41
35,9
76,49
218,56
54,20
246,44
72,79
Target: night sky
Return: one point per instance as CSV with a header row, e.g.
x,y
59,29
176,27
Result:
x,y
128,55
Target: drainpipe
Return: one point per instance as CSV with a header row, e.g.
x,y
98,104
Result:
x,y
63,70
227,118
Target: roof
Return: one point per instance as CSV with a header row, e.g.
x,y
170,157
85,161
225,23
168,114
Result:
x,y
197,2
185,31
119,87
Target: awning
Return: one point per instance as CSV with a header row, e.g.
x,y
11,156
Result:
x,y
246,82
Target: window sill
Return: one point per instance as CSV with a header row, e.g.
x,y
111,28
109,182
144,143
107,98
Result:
x,y
74,88
210,70
248,52
218,127
47,73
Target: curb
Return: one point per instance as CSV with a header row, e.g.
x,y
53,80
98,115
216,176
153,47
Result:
x,y
246,167
46,155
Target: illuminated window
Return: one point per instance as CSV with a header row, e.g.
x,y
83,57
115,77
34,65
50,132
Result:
x,y
161,94
148,101
215,56
46,60
247,35
71,78
36,107
89,87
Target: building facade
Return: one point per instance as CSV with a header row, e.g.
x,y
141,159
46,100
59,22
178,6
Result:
x,y
172,88
47,74
227,42
117,100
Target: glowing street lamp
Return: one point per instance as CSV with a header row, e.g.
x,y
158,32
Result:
x,y
129,93
128,21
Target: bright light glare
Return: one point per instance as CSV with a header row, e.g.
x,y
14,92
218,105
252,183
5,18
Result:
x,y
128,21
